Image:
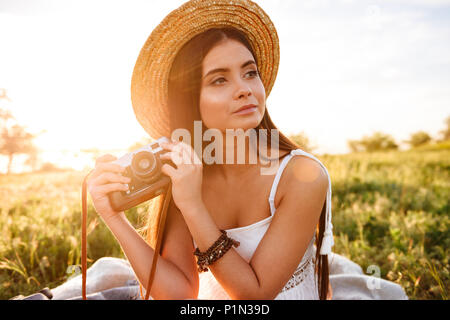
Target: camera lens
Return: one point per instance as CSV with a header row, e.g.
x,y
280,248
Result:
x,y
145,166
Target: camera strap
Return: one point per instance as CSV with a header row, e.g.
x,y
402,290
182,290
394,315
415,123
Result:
x,y
83,236
161,223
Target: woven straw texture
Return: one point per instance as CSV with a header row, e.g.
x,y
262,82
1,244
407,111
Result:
x,y
149,84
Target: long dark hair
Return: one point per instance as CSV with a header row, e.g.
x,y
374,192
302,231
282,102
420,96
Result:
x,y
184,95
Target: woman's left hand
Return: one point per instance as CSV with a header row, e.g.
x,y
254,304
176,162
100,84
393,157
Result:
x,y
187,177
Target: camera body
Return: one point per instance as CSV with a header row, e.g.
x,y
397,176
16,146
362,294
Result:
x,y
143,167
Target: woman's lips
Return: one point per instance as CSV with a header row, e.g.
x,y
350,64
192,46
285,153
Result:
x,y
246,111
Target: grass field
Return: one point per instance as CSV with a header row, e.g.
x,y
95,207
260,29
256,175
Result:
x,y
390,209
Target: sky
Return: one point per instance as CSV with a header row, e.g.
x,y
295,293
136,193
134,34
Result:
x,y
348,68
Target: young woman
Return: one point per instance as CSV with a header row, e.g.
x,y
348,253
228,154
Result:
x,y
271,222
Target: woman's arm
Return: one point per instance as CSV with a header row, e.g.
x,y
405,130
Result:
x,y
282,247
174,276
169,282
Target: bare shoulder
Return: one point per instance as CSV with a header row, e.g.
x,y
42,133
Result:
x,y
304,189
304,175
303,169
294,223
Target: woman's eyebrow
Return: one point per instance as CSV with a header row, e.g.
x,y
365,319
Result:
x,y
226,69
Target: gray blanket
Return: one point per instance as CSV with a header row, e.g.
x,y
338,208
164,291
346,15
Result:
x,y
113,279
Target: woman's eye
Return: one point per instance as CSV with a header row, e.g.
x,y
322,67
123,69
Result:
x,y
254,73
215,81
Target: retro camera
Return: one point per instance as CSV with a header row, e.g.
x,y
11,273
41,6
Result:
x,y
143,167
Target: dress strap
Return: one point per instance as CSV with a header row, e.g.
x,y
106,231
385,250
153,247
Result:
x,y
273,191
327,241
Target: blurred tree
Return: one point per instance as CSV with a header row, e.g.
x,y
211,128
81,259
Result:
x,y
446,132
302,140
418,138
33,161
377,142
49,167
355,146
5,114
14,139
3,94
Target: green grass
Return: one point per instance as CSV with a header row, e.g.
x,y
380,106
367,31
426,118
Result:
x,y
390,209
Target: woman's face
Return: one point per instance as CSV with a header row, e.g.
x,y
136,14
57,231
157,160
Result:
x,y
230,81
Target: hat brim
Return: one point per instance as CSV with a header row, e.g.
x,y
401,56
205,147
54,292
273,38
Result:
x,y
150,79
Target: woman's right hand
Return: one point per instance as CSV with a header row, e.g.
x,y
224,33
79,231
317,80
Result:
x,y
106,178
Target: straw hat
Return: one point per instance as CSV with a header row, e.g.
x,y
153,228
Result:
x,y
150,80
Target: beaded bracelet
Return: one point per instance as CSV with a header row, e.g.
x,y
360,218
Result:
x,y
205,258
215,252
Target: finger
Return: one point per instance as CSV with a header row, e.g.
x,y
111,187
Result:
x,y
191,153
167,145
107,167
108,177
166,156
184,151
181,148
168,170
176,157
102,190
105,158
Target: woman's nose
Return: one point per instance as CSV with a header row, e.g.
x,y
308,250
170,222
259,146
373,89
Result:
x,y
243,90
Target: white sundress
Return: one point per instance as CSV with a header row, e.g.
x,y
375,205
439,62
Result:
x,y
114,279
303,283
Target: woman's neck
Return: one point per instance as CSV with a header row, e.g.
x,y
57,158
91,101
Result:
x,y
240,159
237,161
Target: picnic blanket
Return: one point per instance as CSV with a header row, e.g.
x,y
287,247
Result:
x,y
113,279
